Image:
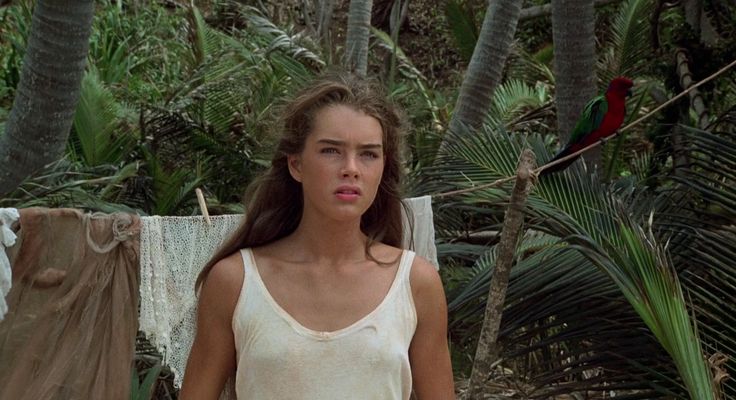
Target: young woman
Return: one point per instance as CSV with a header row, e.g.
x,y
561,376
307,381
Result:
x,y
313,298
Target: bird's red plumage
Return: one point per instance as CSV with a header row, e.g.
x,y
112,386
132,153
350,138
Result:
x,y
614,117
616,94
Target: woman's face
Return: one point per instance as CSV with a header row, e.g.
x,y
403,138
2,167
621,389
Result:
x,y
342,163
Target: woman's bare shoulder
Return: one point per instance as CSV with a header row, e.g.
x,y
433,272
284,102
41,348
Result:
x,y
222,286
424,279
228,268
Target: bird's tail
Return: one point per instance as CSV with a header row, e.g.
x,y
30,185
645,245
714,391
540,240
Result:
x,y
559,167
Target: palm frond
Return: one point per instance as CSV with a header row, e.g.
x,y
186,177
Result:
x,y
172,191
628,48
475,284
514,98
531,68
292,45
565,330
696,207
640,165
712,169
72,184
99,136
642,269
463,27
577,208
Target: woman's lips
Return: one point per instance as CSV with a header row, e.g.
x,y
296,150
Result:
x,y
347,196
347,193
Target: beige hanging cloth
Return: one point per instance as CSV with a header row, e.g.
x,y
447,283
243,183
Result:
x,y
70,330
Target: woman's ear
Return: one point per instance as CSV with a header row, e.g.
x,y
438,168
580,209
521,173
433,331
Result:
x,y
294,162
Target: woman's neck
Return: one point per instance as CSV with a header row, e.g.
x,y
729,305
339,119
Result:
x,y
329,242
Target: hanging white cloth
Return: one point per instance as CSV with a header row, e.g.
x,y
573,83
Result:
x,y
173,252
422,238
8,216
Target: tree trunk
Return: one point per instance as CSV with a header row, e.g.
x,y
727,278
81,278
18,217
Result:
x,y
573,33
488,350
324,18
686,80
43,109
356,43
546,10
700,22
486,66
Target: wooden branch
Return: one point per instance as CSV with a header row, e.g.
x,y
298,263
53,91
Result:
x,y
203,205
487,353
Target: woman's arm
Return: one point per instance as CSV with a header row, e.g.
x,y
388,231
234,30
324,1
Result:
x,y
212,359
429,354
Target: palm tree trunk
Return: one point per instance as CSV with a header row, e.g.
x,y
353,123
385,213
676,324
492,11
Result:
x,y
486,65
324,18
356,43
573,33
546,10
47,94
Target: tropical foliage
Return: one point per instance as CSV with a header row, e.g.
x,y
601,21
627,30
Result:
x,y
571,301
624,281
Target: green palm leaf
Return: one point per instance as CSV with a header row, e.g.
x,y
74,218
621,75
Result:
x,y
101,133
172,191
696,207
463,27
577,208
293,45
513,98
628,48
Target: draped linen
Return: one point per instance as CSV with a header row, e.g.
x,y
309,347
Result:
x,y
73,308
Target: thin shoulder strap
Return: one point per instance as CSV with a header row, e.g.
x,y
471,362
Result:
x,y
247,256
407,259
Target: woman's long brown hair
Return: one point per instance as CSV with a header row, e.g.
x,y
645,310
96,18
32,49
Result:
x,y
274,201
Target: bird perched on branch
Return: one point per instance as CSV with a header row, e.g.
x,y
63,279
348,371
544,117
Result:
x,y
600,119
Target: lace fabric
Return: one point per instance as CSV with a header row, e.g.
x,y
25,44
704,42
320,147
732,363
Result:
x,y
173,252
7,238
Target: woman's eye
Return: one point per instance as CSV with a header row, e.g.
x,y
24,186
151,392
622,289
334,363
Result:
x,y
329,150
371,154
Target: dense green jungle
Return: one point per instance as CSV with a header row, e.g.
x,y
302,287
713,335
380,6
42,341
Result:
x,y
623,281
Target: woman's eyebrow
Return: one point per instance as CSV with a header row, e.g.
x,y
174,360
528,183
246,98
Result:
x,y
336,142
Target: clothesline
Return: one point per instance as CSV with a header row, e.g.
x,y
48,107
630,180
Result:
x,y
150,264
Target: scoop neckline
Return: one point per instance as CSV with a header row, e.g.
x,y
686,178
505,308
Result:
x,y
323,335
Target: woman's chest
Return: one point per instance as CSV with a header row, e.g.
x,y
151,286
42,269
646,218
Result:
x,y
325,303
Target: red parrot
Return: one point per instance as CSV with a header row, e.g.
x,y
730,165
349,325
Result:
x,y
600,119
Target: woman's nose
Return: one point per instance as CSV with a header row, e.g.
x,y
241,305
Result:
x,y
350,167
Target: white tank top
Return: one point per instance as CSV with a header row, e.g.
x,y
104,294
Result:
x,y
278,358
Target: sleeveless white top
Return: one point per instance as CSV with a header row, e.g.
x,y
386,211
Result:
x,y
278,358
